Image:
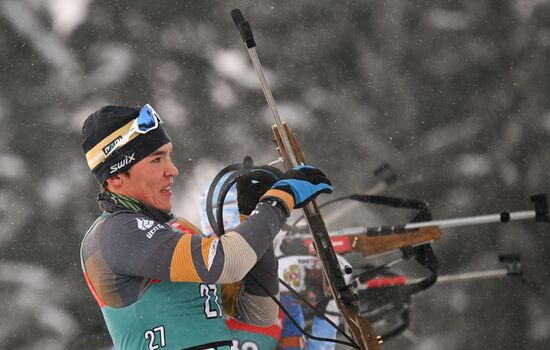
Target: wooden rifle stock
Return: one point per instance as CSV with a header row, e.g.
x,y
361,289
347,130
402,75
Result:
x,y
373,245
346,298
368,245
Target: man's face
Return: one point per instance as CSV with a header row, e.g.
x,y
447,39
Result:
x,y
150,180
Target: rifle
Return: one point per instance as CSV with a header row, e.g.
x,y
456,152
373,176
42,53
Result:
x,y
512,268
391,310
389,295
358,239
378,240
345,296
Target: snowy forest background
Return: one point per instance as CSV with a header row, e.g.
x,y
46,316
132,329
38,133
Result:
x,y
453,95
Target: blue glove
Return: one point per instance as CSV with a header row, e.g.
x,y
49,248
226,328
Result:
x,y
303,183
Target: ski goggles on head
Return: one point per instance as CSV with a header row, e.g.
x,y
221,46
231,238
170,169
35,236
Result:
x,y
146,121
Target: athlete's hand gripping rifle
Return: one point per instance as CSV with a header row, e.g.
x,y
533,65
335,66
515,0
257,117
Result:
x,y
344,295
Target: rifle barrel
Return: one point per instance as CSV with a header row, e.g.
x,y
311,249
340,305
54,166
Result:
x,y
475,220
446,223
271,103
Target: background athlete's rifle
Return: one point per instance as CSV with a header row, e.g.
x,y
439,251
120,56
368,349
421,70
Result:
x,y
381,239
389,294
357,239
391,309
512,268
345,296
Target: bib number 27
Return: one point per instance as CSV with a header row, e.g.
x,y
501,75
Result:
x,y
156,338
212,308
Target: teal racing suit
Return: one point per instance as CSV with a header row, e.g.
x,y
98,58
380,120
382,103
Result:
x,y
157,280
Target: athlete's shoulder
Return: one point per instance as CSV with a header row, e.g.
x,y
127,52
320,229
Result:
x,y
128,226
128,219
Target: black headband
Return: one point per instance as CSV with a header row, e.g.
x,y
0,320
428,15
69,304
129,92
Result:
x,y
103,123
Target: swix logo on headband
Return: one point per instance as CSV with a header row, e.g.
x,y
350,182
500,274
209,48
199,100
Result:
x,y
122,163
112,145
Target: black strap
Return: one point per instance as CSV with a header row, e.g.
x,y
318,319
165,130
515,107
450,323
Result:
x,y
213,345
238,170
209,207
424,253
